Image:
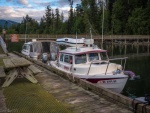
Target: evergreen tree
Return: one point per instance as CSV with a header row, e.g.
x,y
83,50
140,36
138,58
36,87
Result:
x,y
48,19
71,19
42,25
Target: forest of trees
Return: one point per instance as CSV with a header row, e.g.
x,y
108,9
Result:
x,y
123,17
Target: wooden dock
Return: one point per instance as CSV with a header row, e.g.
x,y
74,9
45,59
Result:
x,y
77,99
80,96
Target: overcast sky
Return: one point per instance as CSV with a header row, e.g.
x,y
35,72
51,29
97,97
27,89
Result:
x,y
17,9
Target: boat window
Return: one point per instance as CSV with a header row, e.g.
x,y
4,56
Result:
x,y
37,47
80,59
24,47
31,48
54,47
103,56
61,57
68,59
93,56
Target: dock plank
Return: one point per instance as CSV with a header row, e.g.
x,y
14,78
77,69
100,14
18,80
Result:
x,y
2,72
34,69
18,62
8,63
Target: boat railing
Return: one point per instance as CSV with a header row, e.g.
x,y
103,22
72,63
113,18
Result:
x,y
115,59
108,61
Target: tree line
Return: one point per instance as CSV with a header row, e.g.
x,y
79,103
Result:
x,y
123,17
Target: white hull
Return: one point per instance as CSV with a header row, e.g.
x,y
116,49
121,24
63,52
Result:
x,y
113,82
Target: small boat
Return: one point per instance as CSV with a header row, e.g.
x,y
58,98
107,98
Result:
x,y
71,41
35,49
93,65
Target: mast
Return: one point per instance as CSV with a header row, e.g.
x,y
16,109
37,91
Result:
x,y
99,2
102,24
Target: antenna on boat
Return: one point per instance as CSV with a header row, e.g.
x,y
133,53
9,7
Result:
x,y
91,33
76,40
91,36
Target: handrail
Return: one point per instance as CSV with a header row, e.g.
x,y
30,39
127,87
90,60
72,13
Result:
x,y
124,58
94,61
99,61
118,58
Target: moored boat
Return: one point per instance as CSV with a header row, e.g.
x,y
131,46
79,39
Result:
x,y
94,65
37,49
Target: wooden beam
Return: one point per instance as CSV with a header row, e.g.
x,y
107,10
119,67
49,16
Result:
x,y
19,62
2,72
8,63
34,69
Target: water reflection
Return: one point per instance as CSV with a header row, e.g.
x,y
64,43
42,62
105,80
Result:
x,y
138,61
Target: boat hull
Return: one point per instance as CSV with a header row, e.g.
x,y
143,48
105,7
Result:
x,y
115,83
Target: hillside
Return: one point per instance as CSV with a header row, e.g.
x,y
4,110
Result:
x,y
8,23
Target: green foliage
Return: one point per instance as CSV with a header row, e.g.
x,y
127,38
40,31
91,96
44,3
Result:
x,y
120,17
15,46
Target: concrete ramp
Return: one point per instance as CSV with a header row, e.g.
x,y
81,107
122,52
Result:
x,y
3,45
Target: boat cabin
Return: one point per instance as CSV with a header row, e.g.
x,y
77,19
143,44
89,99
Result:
x,y
36,48
73,56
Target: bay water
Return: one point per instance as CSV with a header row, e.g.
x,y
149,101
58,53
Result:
x,y
139,62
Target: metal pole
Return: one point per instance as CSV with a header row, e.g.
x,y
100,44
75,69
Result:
x,y
25,32
102,24
91,33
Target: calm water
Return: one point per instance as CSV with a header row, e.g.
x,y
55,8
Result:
x,y
139,62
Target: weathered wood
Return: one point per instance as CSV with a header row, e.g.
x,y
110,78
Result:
x,y
8,63
17,67
2,72
34,69
10,78
19,62
28,75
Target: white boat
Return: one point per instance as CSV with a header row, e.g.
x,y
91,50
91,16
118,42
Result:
x,y
35,49
92,64
71,41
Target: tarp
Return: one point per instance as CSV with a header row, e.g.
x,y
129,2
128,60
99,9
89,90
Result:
x,y
3,45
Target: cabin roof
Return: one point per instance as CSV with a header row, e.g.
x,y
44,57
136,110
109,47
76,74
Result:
x,y
81,50
39,41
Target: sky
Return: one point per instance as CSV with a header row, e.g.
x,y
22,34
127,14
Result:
x,y
15,10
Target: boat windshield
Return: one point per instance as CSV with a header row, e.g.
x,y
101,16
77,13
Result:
x,y
26,47
79,59
93,56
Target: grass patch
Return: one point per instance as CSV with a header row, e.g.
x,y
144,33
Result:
x,y
1,50
1,62
25,97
